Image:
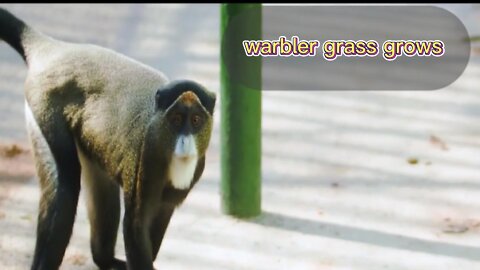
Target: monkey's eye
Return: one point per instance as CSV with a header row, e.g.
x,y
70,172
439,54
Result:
x,y
177,120
196,120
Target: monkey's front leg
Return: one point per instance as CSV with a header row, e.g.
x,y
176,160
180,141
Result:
x,y
159,227
136,235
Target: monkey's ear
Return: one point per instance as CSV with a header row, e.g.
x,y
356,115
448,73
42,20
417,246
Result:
x,y
164,98
170,92
208,101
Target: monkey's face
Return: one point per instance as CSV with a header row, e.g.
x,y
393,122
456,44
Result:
x,y
188,109
187,117
191,125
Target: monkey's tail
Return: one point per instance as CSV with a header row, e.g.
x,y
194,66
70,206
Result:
x,y
16,33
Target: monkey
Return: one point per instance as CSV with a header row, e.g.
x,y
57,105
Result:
x,y
105,122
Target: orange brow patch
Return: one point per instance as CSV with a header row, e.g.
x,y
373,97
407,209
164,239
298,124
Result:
x,y
188,98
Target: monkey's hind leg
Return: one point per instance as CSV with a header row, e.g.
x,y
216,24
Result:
x,y
59,171
103,204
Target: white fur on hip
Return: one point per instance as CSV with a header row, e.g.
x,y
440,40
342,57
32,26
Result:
x,y
43,154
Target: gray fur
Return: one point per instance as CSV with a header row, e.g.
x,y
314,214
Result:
x,y
98,88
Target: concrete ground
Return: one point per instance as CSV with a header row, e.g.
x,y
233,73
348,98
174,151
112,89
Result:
x,y
351,180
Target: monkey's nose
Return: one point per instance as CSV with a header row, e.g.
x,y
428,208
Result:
x,y
184,142
185,146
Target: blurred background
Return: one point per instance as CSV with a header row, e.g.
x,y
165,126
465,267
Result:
x,y
351,180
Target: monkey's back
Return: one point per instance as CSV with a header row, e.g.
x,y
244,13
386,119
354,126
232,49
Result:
x,y
106,98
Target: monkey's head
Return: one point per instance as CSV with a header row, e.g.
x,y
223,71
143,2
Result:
x,y
187,114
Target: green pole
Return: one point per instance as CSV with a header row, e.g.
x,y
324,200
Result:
x,y
241,109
